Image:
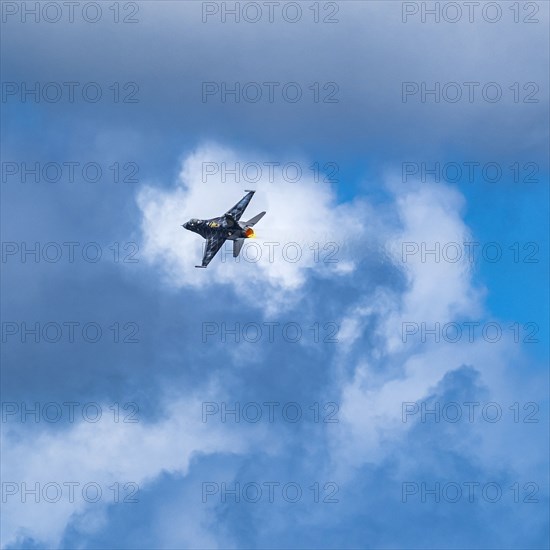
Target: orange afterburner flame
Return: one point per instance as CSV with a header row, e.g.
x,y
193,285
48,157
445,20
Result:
x,y
249,232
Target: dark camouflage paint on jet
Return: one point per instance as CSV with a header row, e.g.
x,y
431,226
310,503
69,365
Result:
x,y
227,227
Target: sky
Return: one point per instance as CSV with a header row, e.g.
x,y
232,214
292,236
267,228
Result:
x,y
371,372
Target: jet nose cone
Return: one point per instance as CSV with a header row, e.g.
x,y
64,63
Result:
x,y
184,225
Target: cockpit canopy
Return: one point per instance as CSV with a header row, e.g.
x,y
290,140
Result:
x,y
193,221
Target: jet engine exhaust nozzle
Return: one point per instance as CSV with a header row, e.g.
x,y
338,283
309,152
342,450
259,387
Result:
x,y
249,233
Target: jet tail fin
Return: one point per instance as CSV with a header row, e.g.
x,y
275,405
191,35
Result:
x,y
255,219
237,245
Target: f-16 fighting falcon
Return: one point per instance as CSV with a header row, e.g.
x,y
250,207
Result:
x,y
217,230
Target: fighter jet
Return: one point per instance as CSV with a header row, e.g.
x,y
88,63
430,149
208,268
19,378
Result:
x,y
217,230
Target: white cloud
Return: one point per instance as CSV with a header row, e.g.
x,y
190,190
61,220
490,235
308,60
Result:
x,y
440,289
394,371
383,377
105,453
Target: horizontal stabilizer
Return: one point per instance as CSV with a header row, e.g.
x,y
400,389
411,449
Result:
x,y
255,219
237,245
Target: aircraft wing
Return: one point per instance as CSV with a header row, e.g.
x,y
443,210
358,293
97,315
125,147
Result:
x,y
237,211
213,244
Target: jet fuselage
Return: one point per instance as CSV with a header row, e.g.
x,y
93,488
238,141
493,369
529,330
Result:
x,y
223,226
